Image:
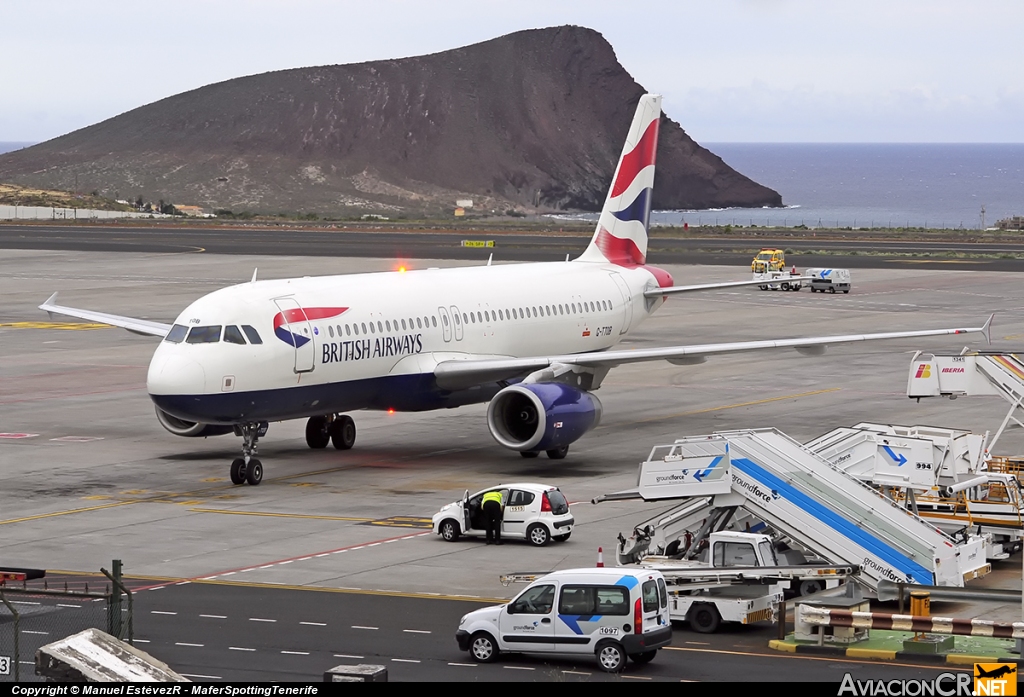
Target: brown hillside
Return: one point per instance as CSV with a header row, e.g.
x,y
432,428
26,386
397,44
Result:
x,y
534,119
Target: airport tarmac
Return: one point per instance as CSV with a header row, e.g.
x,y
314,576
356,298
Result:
x,y
95,477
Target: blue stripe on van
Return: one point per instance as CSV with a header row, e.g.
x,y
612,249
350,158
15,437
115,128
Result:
x,y
914,571
629,582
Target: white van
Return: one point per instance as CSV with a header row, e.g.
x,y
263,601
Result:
x,y
613,613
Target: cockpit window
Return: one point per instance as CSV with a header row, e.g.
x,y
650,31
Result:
x,y
177,334
254,337
232,335
204,335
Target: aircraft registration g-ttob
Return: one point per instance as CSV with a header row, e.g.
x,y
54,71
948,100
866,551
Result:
x,y
534,340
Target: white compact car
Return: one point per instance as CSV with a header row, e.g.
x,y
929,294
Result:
x,y
537,513
607,612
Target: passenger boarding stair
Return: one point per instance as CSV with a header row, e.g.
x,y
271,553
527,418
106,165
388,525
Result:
x,y
827,512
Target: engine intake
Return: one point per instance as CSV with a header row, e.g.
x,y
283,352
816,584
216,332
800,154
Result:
x,y
190,429
541,416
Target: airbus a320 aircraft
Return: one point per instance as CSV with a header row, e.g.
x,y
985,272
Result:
x,y
534,340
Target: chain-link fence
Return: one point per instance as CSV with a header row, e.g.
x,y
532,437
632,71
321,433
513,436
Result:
x,y
33,616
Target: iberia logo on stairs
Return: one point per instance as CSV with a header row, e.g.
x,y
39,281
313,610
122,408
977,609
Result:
x,y
924,371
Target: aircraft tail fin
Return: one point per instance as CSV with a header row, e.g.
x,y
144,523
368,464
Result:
x,y
621,234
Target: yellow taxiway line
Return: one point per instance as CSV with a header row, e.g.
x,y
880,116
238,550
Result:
x,y
60,513
804,656
281,515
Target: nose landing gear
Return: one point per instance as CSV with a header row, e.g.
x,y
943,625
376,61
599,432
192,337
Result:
x,y
248,469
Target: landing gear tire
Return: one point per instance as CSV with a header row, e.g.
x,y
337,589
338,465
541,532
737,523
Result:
x,y
343,433
538,535
254,472
238,471
558,453
450,531
317,436
528,454
704,618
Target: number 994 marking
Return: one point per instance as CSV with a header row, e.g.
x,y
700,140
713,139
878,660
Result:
x,y
608,630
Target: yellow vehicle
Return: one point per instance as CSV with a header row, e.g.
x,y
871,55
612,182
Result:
x,y
768,260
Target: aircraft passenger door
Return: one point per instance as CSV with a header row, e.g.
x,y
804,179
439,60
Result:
x,y
292,327
446,324
457,318
627,300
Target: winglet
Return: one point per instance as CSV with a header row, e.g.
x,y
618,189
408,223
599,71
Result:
x,y
49,303
986,330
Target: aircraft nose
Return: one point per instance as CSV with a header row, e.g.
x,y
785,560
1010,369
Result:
x,y
173,374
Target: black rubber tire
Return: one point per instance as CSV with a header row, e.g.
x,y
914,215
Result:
x,y
449,529
254,472
643,658
538,535
832,289
846,291
558,453
785,285
704,618
610,656
561,538
317,436
483,648
763,287
343,433
528,454
238,471
810,586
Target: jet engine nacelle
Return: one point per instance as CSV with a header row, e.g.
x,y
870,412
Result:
x,y
190,429
541,416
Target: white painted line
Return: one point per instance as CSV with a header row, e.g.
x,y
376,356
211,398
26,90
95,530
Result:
x,y
183,583
63,605
314,624
634,677
161,612
356,626
405,660
230,573
416,631
157,588
30,631
267,566
185,643
238,648
207,677
286,562
322,555
304,559
340,655
215,617
464,665
373,544
575,672
260,619
141,641
29,602
518,668
27,663
296,653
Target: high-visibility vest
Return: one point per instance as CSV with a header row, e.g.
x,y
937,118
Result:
x,y
492,496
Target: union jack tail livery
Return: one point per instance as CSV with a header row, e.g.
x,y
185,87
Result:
x,y
621,234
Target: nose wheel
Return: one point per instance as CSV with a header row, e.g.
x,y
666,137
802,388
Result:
x,y
248,469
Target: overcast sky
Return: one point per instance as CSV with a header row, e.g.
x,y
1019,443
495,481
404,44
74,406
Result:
x,y
730,70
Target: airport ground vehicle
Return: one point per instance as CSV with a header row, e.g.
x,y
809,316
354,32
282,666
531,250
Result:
x,y
612,613
786,280
829,280
535,512
768,260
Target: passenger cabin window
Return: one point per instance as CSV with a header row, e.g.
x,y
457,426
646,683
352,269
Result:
x,y
232,335
650,595
534,601
734,554
204,335
254,336
593,600
177,334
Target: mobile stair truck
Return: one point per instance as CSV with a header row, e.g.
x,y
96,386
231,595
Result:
x,y
772,479
829,280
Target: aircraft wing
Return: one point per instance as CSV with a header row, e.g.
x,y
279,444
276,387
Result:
x,y
675,290
136,326
456,374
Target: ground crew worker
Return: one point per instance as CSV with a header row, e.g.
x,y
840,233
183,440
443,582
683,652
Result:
x,y
493,505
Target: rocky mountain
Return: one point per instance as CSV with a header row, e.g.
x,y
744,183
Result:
x,y
533,120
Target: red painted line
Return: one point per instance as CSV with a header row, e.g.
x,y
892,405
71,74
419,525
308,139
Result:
x,y
213,576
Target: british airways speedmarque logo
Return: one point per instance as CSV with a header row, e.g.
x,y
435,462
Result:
x,y
298,315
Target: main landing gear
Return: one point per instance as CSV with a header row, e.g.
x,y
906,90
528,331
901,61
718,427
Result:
x,y
338,429
248,469
554,454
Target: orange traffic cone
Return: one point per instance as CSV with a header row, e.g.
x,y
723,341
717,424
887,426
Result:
x,y
600,557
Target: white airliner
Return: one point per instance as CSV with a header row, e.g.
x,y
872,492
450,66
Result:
x,y
534,340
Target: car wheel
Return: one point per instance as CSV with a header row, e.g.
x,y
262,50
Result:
x,y
482,647
561,538
810,586
645,657
704,618
450,531
611,657
538,535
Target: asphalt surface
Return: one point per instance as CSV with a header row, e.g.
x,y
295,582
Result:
x,y
867,253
